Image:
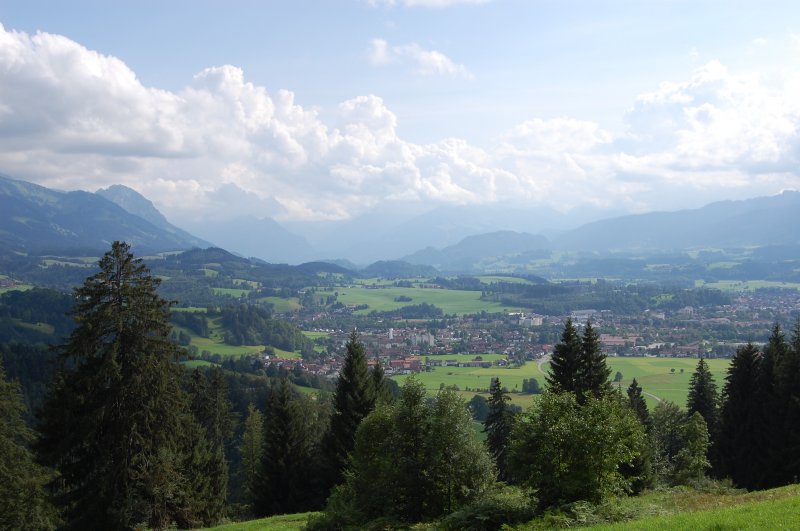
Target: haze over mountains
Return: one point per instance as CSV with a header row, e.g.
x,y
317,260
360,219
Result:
x,y
455,239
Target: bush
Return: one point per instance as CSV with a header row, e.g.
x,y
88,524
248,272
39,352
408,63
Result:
x,y
504,505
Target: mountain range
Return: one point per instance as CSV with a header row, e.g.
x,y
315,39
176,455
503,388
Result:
x,y
34,219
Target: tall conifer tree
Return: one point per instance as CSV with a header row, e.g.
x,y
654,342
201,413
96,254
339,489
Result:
x,y
113,422
353,400
593,372
739,445
24,504
639,406
498,427
564,365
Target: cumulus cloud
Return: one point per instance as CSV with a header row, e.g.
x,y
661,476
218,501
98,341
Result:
x,y
426,62
72,118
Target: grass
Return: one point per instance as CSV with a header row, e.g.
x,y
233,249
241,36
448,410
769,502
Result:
x,y
233,292
690,510
193,364
284,522
39,327
653,374
746,285
457,302
314,335
283,305
489,279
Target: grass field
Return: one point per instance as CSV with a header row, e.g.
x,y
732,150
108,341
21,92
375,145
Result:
x,y
746,285
282,305
193,364
450,301
17,287
233,292
770,509
653,374
285,522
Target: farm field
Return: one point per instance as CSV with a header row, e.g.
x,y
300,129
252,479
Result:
x,y
233,292
450,301
280,305
746,285
284,522
653,374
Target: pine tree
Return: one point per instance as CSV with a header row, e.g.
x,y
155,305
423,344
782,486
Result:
x,y
286,482
738,443
24,504
212,410
379,389
691,462
352,401
639,406
704,399
498,427
251,451
564,366
113,423
593,372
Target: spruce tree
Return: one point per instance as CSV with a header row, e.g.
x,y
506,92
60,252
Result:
x,y
739,445
498,427
212,410
593,372
24,504
704,399
353,399
251,451
113,422
639,406
564,366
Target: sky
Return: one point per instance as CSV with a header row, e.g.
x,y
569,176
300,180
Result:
x,y
325,110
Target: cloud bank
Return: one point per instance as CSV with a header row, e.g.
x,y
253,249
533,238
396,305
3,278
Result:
x,y
73,118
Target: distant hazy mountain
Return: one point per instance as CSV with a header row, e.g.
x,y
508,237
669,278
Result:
x,y
398,231
37,219
137,204
755,222
467,254
259,238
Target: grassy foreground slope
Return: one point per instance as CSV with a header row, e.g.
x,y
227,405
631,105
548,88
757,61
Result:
x,y
284,522
668,510
770,509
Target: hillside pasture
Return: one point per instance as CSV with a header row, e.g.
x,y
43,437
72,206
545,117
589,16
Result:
x,y
738,286
382,299
653,374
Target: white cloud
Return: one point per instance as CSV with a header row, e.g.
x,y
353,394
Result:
x,y
426,62
72,118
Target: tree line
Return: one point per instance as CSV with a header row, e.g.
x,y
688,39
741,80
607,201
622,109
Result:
x,y
127,438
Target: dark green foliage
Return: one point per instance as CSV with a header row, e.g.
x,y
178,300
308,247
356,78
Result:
x,y
24,504
251,450
353,399
567,452
739,444
413,460
116,424
703,397
578,365
531,385
194,321
691,462
35,306
286,481
639,405
497,426
479,407
212,410
33,368
503,504
251,325
565,364
667,434
593,373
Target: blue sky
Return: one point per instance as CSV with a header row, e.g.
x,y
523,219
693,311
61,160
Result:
x,y
322,110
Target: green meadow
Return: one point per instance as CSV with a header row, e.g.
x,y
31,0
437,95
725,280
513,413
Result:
x,y
746,285
655,375
383,299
